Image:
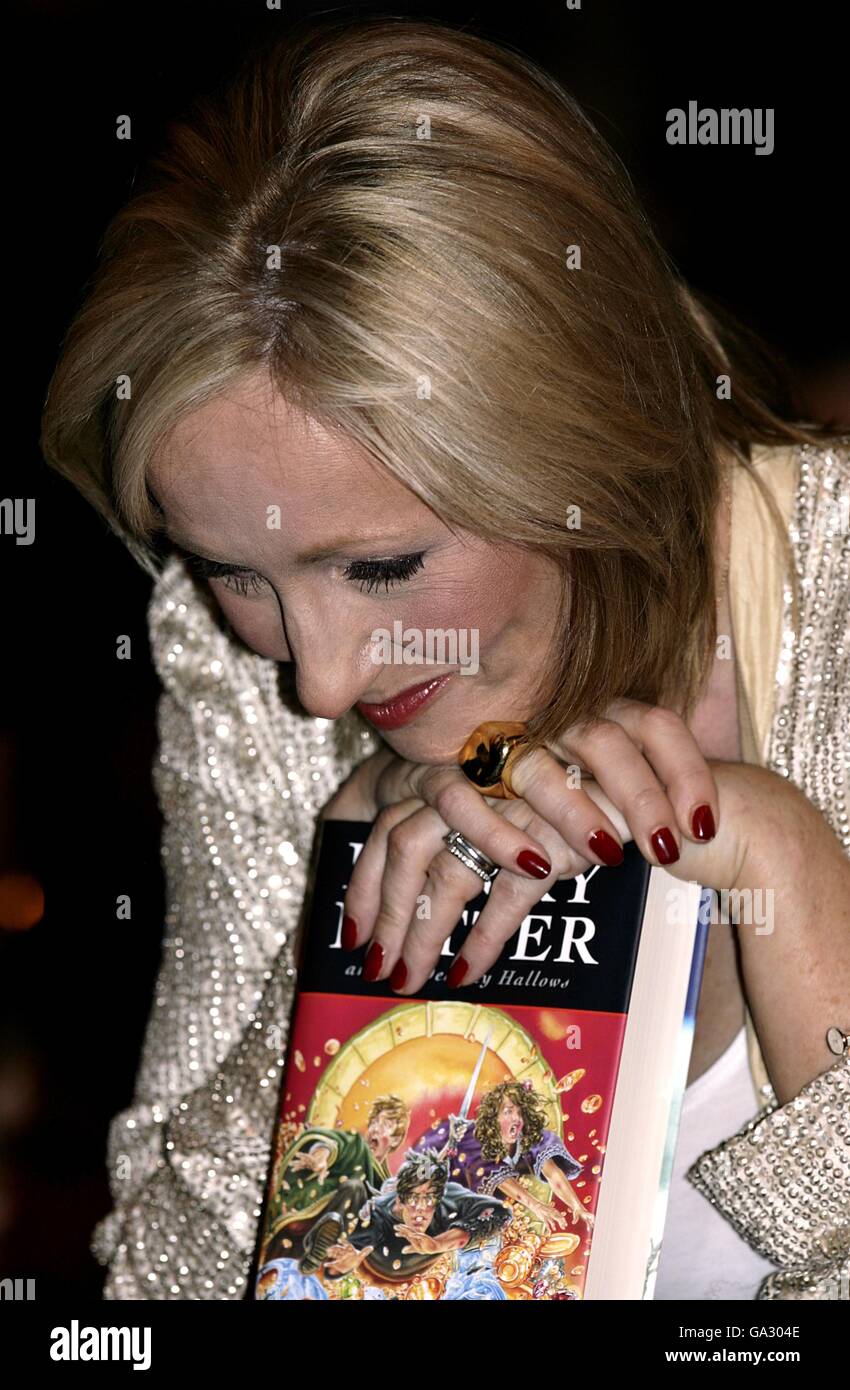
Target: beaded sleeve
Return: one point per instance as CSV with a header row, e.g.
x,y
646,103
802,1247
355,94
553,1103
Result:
x,y
783,1182
240,780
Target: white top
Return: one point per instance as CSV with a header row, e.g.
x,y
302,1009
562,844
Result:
x,y
702,1257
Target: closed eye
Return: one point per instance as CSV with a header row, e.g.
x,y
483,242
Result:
x,y
368,574
237,579
394,569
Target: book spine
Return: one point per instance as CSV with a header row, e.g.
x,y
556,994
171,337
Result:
x,y
682,1064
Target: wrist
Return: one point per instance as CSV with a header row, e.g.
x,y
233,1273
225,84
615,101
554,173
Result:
x,y
763,812
738,793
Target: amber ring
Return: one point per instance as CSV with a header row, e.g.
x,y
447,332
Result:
x,y
486,757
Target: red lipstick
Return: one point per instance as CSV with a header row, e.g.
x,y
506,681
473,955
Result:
x,y
405,706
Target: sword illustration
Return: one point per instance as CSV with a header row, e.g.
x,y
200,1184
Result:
x,y
458,1124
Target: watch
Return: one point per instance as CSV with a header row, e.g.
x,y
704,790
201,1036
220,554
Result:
x,y
838,1041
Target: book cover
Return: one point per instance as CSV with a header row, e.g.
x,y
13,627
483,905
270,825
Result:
x,y
452,1145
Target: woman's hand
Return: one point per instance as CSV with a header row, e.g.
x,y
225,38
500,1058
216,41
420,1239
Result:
x,y
552,1217
638,773
771,841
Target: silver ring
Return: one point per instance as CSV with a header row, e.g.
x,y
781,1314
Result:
x,y
473,858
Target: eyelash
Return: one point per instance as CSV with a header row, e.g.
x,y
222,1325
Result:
x,y
242,582
369,574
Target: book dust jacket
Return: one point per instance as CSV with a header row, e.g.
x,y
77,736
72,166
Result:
x,y
450,1145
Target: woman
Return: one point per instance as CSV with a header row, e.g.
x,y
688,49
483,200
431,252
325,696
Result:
x,y
507,1140
386,339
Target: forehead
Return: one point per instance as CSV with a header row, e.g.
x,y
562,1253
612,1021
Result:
x,y
247,448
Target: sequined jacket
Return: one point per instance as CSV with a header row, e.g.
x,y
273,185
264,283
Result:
x,y
241,777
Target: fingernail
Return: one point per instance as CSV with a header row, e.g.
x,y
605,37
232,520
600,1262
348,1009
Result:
x,y
702,823
398,978
533,864
457,972
606,847
373,962
349,933
664,844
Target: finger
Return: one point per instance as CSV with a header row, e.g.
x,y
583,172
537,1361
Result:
x,y
411,847
463,808
388,877
540,779
509,900
449,886
671,748
508,903
363,896
624,774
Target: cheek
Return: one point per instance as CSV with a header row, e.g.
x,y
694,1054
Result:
x,y
517,605
493,599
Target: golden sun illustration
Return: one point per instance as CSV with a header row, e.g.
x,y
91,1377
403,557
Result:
x,y
426,1054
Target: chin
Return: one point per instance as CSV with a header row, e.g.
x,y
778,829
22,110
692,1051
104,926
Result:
x,y
423,745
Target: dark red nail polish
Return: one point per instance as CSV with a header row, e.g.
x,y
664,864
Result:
x,y
457,972
606,847
373,962
533,864
702,823
398,978
349,933
664,844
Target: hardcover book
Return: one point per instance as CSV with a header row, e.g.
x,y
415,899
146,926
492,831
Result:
x,y
509,1140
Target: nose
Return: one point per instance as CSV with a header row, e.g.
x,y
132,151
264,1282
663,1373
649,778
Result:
x,y
333,669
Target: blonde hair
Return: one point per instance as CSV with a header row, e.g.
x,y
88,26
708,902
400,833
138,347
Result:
x,y
424,188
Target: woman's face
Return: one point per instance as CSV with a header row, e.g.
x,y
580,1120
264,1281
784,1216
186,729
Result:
x,y
342,570
510,1121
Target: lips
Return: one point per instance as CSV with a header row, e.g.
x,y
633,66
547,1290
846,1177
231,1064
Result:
x,y
405,706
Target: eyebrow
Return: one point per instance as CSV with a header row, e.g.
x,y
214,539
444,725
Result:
x,y
340,546
226,566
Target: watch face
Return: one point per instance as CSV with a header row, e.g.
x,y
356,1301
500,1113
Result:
x,y
836,1041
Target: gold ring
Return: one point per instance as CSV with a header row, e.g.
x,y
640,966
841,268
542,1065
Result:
x,y
487,754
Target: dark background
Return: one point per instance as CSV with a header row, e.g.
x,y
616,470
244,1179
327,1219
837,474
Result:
x,y
762,234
